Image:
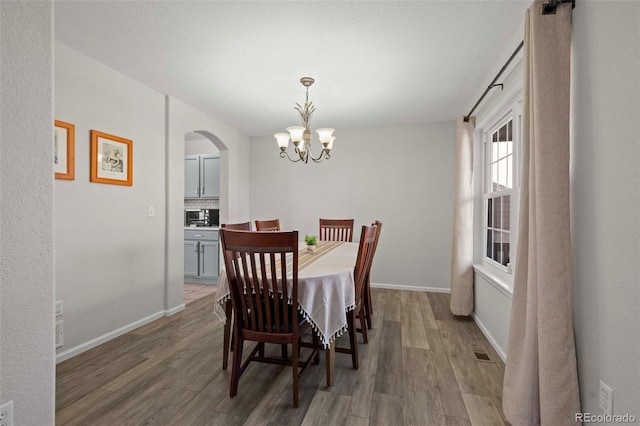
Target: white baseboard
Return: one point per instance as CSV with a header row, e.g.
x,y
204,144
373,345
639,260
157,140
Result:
x,y
76,350
411,288
501,352
175,310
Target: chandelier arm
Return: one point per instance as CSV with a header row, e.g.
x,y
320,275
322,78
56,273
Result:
x,y
324,155
284,154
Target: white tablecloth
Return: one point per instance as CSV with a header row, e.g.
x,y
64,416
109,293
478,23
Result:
x,y
326,290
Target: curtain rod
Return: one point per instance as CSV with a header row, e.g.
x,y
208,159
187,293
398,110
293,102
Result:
x,y
548,9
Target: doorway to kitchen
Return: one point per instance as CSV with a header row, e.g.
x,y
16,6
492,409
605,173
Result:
x,y
201,214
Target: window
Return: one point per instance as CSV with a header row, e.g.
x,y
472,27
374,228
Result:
x,y
500,191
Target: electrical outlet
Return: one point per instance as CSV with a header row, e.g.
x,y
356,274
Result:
x,y
606,398
6,414
59,308
59,333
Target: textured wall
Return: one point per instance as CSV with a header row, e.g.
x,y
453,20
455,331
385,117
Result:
x,y
606,200
27,369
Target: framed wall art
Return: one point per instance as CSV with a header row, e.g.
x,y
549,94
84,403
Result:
x,y
111,159
64,148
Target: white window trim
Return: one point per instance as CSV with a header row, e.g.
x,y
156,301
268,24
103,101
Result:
x,y
488,267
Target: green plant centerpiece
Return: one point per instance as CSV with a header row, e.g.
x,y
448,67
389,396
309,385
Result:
x,y
311,241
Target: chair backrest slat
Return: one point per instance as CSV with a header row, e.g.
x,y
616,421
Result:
x,y
257,292
238,276
285,292
274,290
264,290
336,230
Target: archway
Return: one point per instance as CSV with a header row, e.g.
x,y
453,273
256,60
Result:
x,y
205,155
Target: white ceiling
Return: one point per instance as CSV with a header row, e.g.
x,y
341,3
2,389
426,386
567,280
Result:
x,y
381,63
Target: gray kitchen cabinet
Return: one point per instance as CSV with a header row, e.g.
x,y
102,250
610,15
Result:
x,y
202,176
192,176
209,176
201,255
209,259
191,258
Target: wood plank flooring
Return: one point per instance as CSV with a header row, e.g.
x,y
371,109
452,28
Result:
x,y
418,368
195,291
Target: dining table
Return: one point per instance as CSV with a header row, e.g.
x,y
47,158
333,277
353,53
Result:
x,y
326,292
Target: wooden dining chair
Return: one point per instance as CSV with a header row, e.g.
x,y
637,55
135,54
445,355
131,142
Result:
x,y
368,300
243,226
336,230
268,225
363,263
264,310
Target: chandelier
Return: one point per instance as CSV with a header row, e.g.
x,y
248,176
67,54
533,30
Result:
x,y
301,135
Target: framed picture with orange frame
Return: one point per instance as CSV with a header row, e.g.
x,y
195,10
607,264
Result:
x,y
111,159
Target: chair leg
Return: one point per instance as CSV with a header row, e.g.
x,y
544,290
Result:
x,y
363,326
316,344
237,364
368,302
261,349
353,340
227,333
294,365
225,349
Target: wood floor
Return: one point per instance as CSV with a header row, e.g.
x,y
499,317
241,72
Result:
x,y
419,368
195,291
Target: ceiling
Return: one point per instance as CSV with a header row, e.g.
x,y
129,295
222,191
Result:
x,y
376,63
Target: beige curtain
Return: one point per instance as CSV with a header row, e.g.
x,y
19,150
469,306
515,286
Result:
x,y
462,247
541,383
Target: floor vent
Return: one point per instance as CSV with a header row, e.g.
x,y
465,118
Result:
x,y
480,353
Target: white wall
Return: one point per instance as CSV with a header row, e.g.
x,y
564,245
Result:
x,y
108,251
402,176
27,369
606,200
197,144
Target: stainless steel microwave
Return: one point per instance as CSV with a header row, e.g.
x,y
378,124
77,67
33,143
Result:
x,y
201,217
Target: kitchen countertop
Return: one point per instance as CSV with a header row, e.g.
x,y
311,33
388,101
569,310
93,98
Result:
x,y
202,228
